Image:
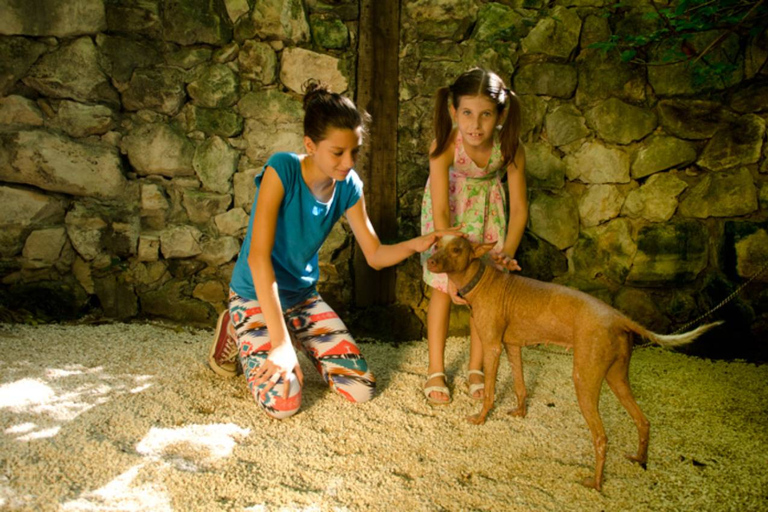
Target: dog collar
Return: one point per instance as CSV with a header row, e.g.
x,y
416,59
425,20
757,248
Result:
x,y
472,282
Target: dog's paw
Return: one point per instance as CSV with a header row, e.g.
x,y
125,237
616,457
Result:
x,y
518,411
592,483
476,419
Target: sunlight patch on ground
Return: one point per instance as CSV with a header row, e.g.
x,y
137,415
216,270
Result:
x,y
126,492
59,395
193,446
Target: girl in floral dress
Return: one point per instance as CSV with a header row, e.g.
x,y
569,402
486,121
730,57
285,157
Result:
x,y
469,157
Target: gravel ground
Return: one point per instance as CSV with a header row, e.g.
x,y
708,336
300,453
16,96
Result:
x,y
125,417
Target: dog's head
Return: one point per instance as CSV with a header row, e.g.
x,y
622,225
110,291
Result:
x,y
455,253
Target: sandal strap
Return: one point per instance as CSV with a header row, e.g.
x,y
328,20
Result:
x,y
436,374
475,372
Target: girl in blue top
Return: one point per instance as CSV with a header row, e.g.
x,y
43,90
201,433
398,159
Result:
x,y
274,303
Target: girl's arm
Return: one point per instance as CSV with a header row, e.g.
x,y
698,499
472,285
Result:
x,y
518,210
282,356
438,184
379,255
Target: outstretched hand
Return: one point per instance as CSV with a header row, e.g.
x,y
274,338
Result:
x,y
424,242
503,261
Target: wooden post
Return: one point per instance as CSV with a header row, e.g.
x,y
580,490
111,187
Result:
x,y
377,93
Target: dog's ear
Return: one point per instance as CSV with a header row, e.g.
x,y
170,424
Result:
x,y
480,249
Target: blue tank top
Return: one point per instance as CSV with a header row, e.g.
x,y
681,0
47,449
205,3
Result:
x,y
303,224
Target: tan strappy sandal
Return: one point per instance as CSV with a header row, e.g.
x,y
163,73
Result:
x,y
439,389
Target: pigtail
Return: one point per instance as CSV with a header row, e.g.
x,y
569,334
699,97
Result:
x,y
442,122
510,130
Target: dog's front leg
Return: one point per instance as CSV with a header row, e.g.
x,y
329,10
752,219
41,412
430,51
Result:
x,y
515,357
491,355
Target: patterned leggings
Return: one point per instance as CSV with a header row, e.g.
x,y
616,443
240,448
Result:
x,y
315,329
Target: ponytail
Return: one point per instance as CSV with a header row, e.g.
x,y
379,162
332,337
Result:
x,y
442,122
510,130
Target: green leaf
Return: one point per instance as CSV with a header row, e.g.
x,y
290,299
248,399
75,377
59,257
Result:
x,y
628,55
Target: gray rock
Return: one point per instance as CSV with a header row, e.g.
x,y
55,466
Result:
x,y
52,18
217,252
258,62
738,143
497,22
276,20
595,162
556,35
604,251
19,111
752,254
245,188
554,217
543,169
546,79
153,199
756,55
160,89
642,307
135,17
201,207
180,242
216,87
753,98
120,56
232,223
273,123
86,229
297,65
43,247
159,149
72,71
211,121
236,8
58,164
173,301
117,296
439,19
189,22
603,75
619,122
564,125
692,119
149,247
78,120
724,194
533,109
215,162
656,200
329,32
669,253
659,153
682,78
211,291
18,54
600,203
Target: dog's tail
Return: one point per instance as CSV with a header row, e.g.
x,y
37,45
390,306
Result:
x,y
671,340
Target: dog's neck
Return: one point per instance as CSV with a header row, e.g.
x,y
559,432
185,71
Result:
x,y
466,280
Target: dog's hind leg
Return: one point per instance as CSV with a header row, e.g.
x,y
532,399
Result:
x,y
618,380
588,374
491,355
515,357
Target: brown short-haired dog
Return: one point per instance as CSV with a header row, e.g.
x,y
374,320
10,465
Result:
x,y
516,311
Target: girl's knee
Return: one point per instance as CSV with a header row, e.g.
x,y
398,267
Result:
x,y
274,403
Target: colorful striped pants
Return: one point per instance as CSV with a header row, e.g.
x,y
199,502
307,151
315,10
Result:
x,y
317,331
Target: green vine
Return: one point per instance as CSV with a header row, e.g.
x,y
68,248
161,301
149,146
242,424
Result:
x,y
677,25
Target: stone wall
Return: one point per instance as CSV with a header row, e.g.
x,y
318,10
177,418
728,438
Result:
x,y
131,130
647,188
130,134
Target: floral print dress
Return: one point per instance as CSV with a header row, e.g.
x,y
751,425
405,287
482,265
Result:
x,y
476,198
